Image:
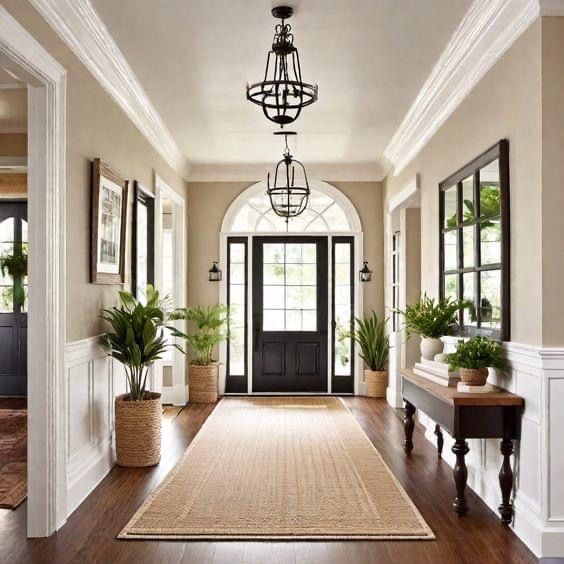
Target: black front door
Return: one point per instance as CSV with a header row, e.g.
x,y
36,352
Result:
x,y
290,314
13,300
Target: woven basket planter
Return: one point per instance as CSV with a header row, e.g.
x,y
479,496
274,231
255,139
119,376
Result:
x,y
376,383
474,376
138,431
203,383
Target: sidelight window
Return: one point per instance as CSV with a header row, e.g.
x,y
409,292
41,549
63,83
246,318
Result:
x,y
343,313
237,301
474,251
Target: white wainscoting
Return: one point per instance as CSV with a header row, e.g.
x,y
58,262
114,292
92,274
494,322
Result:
x,y
537,375
92,381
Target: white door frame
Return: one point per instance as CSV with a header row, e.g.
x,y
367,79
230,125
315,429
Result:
x,y
396,222
358,304
179,394
47,398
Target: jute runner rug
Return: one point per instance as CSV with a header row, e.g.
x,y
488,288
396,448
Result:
x,y
279,468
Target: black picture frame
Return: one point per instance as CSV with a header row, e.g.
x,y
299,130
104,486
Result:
x,y
143,198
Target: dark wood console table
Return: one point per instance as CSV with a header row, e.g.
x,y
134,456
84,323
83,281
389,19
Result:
x,y
496,415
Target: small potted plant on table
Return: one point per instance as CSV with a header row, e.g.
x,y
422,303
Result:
x,y
473,358
431,319
209,328
370,334
137,340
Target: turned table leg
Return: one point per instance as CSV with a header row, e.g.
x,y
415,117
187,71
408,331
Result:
x,y
506,482
408,425
440,439
460,473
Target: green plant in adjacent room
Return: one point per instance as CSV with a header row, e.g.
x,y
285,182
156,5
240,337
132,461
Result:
x,y
208,327
137,338
15,264
478,352
432,318
370,334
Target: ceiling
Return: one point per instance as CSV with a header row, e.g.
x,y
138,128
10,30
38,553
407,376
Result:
x,y
194,57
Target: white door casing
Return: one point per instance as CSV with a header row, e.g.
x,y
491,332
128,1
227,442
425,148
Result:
x,y
47,401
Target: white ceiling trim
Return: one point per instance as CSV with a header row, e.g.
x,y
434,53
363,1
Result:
x,y
485,33
81,28
352,172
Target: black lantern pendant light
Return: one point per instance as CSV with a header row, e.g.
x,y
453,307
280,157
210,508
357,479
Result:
x,y
214,273
282,94
289,193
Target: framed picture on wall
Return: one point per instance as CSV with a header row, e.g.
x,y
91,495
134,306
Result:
x,y
143,261
109,224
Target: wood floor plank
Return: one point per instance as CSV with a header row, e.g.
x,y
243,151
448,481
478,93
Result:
x,y
90,532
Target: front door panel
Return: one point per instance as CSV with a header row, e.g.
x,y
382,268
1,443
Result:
x,y
290,314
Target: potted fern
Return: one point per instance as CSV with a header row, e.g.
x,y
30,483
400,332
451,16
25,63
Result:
x,y
15,265
473,358
207,328
370,334
431,319
136,340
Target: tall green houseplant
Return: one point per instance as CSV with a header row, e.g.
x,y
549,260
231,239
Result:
x,y
207,328
137,338
370,335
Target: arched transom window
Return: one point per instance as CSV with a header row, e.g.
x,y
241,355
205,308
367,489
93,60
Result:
x,y
326,212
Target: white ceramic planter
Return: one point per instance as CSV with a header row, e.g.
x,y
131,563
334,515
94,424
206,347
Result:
x,y
431,347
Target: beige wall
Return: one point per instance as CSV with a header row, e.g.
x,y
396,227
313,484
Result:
x,y
13,144
208,202
505,104
96,127
553,180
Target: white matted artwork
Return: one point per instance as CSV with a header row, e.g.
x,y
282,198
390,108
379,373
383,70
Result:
x,y
109,224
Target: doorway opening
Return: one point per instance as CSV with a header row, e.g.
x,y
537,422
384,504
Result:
x,y
293,294
169,375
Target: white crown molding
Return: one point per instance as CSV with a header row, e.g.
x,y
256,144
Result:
x,y
351,172
81,28
485,33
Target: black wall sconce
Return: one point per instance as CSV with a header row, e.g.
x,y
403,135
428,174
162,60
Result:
x,y
365,274
214,273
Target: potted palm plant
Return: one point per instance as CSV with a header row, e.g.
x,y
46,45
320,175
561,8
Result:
x,y
370,334
207,328
473,358
431,319
136,340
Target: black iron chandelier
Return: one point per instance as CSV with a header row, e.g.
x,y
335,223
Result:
x,y
289,194
282,94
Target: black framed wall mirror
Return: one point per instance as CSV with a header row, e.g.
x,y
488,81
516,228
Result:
x,y
474,243
143,259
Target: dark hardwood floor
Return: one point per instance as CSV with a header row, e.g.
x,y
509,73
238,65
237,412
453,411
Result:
x,y
13,403
89,535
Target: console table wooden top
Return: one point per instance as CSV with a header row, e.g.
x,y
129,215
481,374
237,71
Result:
x,y
451,396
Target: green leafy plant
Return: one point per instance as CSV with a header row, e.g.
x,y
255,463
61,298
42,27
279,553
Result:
x,y
209,328
370,334
478,352
15,264
137,338
489,207
432,318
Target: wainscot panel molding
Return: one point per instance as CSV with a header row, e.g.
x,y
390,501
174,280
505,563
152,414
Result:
x,y
92,380
536,374
81,28
486,32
